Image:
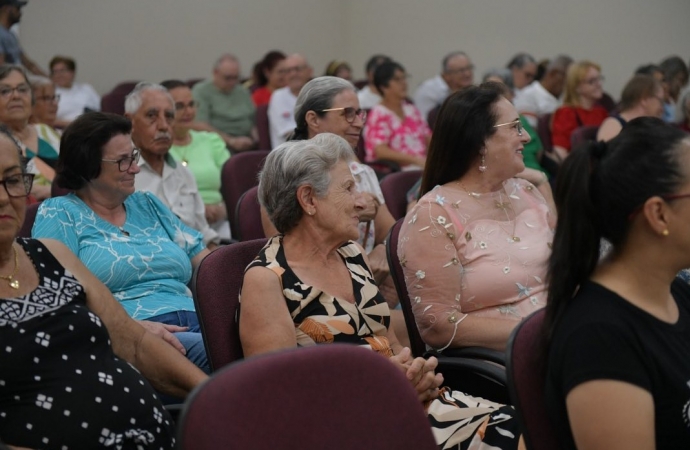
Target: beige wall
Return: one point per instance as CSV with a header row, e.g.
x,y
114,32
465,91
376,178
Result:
x,y
156,39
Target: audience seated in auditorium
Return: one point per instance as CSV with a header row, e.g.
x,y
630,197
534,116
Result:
x,y
675,79
312,285
75,98
281,108
544,96
44,111
340,69
395,129
642,96
368,96
202,152
583,87
457,72
524,70
476,243
152,112
11,51
15,111
268,75
225,106
617,329
73,363
132,242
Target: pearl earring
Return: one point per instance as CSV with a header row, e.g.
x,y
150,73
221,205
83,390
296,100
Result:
x,y
482,164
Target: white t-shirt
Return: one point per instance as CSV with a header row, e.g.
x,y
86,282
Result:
x,y
534,100
368,98
281,115
75,99
430,94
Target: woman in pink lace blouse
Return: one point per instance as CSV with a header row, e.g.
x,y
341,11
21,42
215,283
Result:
x,y
395,129
474,248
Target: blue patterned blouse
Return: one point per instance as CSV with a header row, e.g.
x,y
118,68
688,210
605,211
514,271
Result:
x,y
145,263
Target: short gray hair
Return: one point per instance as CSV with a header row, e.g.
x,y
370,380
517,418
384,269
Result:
x,y
294,164
560,62
134,100
448,57
520,60
316,96
225,57
504,74
38,81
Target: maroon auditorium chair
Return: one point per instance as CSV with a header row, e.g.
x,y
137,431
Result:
x,y
239,174
248,217
395,187
114,101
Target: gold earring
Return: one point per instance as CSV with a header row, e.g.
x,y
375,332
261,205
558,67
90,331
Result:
x,y
664,233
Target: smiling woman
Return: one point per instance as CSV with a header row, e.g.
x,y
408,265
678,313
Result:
x,y
476,243
135,245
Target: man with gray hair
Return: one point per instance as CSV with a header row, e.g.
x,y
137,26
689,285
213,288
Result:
x,y
152,112
457,72
524,69
543,96
225,106
281,107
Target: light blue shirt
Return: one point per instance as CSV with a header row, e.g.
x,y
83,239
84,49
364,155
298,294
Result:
x,y
148,270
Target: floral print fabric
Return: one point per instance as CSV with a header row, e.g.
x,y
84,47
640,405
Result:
x,y
408,135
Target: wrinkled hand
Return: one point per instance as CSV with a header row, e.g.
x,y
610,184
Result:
x,y
371,207
536,177
378,262
420,372
214,213
165,332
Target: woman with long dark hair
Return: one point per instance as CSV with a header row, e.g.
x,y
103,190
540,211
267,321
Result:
x,y
618,329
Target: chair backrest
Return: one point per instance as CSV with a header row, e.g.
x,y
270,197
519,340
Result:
x,y
216,287
263,128
544,131
526,380
29,219
583,134
57,191
334,395
239,174
417,345
114,101
607,102
394,188
248,217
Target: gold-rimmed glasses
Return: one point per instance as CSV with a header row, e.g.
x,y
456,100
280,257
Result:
x,y
515,123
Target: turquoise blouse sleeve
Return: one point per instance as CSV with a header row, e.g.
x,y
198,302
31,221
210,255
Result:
x,y
53,221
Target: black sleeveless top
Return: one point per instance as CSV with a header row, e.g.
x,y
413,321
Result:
x,y
61,385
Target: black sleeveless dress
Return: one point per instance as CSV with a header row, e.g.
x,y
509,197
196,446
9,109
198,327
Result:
x,y
61,385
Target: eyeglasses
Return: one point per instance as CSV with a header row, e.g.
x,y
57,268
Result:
x,y
465,69
231,77
123,164
179,106
600,79
400,77
515,123
18,185
49,98
295,69
350,113
23,90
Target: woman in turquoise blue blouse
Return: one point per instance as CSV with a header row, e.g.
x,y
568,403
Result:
x,y
134,244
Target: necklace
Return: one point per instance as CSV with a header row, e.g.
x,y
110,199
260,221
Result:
x,y
14,284
185,145
123,231
500,204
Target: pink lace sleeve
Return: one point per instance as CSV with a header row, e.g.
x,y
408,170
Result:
x,y
432,267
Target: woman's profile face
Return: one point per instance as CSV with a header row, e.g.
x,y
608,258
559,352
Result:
x,y
338,211
591,86
504,147
185,106
45,104
15,98
12,209
113,182
277,76
336,122
397,85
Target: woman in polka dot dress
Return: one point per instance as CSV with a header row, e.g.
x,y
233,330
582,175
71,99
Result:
x,y
68,350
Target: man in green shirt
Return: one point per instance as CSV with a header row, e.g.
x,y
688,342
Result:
x,y
225,106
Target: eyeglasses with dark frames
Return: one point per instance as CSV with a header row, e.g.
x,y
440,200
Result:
x,y
350,113
18,185
515,123
123,164
179,106
49,98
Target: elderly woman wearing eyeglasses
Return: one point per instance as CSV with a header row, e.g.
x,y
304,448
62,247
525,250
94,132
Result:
x,y
474,248
396,130
202,152
44,111
15,110
135,245
583,88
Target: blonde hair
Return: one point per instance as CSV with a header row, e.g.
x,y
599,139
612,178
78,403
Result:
x,y
576,74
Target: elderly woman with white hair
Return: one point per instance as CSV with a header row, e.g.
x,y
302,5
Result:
x,y
312,284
